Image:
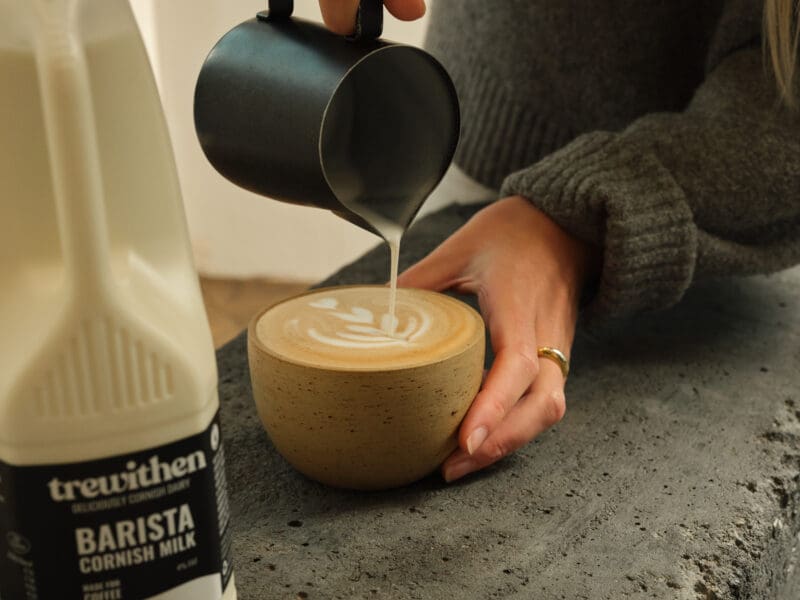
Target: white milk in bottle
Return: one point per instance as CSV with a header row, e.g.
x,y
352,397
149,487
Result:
x,y
112,482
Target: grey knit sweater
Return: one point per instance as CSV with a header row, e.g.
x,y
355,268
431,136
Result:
x,y
650,128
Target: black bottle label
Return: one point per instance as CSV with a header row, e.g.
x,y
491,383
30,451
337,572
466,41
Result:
x,y
149,524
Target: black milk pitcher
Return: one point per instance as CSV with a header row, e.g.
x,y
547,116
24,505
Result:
x,y
360,126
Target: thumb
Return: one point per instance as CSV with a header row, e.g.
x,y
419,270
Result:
x,y
406,10
339,15
441,269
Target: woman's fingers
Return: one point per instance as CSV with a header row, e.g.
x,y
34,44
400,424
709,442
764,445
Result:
x,y
406,10
446,267
509,378
538,410
522,395
510,317
340,15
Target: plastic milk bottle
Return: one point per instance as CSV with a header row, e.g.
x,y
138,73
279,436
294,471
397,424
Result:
x,y
112,482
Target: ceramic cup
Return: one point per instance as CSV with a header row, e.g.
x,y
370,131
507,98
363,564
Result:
x,y
352,406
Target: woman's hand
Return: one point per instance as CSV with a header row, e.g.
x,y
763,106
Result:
x,y
528,274
340,15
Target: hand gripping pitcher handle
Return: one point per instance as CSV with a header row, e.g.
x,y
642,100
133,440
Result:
x,y
369,18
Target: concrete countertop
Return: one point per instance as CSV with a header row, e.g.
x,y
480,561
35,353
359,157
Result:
x,y
675,473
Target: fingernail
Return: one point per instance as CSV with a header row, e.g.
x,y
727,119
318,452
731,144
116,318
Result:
x,y
459,469
476,438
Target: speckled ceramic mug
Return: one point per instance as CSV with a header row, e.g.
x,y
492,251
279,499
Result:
x,y
355,401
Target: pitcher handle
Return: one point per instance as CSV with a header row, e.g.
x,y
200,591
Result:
x,y
369,19
281,9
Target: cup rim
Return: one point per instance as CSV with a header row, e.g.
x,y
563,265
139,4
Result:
x,y
254,342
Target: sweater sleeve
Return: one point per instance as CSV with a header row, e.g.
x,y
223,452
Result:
x,y
711,190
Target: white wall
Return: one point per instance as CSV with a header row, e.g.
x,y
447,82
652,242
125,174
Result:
x,y
236,233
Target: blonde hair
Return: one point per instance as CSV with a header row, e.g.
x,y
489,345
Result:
x,y
781,34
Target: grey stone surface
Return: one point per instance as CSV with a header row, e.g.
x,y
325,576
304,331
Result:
x,y
675,473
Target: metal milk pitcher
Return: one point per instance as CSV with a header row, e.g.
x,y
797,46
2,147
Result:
x,y
360,126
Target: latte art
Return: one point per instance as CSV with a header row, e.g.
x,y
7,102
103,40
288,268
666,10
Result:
x,y
352,327
361,328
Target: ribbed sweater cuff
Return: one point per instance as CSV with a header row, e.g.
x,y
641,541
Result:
x,y
621,198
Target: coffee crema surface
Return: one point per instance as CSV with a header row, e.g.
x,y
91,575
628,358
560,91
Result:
x,y
349,328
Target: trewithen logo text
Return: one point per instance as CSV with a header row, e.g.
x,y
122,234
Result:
x,y
136,476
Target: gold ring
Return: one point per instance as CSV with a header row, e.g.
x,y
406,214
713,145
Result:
x,y
557,357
